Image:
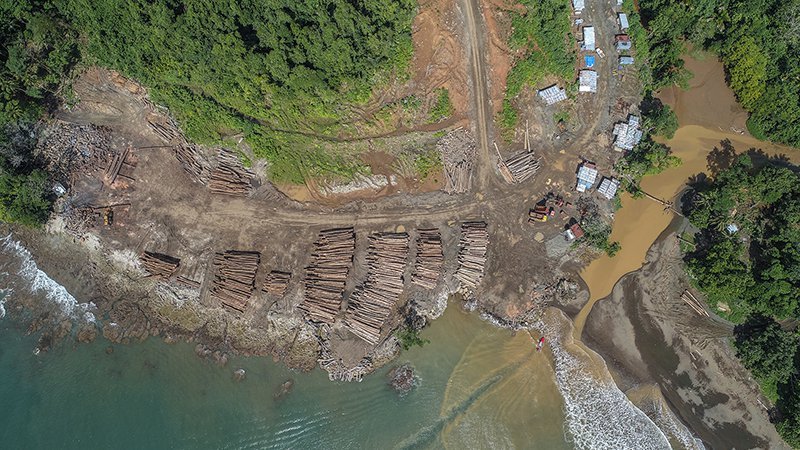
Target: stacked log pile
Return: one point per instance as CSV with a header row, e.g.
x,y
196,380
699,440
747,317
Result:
x,y
73,150
693,303
159,265
472,254
234,278
372,302
187,282
165,128
522,166
458,152
430,258
230,176
276,283
193,162
112,171
326,276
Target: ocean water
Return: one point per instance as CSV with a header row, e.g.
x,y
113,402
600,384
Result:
x,y
480,387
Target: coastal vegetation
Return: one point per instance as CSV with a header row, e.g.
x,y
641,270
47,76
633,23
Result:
x,y
755,41
747,263
409,337
540,36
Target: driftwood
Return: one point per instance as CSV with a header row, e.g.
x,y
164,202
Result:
x,y
373,301
234,278
430,258
230,176
276,283
326,276
472,254
159,265
693,303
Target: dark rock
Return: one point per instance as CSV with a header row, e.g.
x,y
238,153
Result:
x,y
402,378
109,350
283,389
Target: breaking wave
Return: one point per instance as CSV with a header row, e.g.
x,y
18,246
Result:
x,y
40,283
598,414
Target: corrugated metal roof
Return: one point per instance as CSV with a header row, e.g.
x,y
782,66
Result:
x,y
626,60
578,5
553,94
608,187
587,81
627,135
586,177
588,38
623,21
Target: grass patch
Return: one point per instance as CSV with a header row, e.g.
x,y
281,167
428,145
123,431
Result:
x,y
443,108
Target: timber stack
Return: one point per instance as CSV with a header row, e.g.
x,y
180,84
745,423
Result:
x,y
326,276
113,169
230,176
458,151
159,265
372,302
193,162
522,166
276,283
430,258
472,254
165,128
693,303
234,278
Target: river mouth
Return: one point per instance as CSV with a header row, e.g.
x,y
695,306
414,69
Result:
x,y
708,115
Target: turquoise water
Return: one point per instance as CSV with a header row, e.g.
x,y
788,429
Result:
x,y
480,386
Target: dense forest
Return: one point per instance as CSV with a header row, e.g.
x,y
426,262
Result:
x,y
757,42
747,262
257,67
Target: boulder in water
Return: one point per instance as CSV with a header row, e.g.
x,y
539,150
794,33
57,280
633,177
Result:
x,y
283,389
239,374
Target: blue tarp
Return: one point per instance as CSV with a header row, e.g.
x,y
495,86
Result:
x,y
589,61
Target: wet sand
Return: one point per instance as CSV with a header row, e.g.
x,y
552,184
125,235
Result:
x,y
650,338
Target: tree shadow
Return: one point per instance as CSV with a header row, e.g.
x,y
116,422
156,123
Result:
x,y
721,158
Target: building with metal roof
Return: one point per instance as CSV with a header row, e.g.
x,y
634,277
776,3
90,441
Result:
x,y
627,135
588,39
553,94
587,81
622,42
608,187
625,60
622,18
578,6
587,175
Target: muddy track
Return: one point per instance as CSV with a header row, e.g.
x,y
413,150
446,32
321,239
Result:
x,y
473,26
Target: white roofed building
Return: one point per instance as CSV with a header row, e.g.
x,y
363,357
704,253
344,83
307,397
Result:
x,y
608,187
587,174
627,135
578,6
587,81
623,21
588,39
553,94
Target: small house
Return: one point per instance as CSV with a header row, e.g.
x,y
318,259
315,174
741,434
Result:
x,y
552,94
588,39
587,174
587,81
627,135
578,6
574,232
622,18
589,60
622,42
625,60
732,228
608,187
